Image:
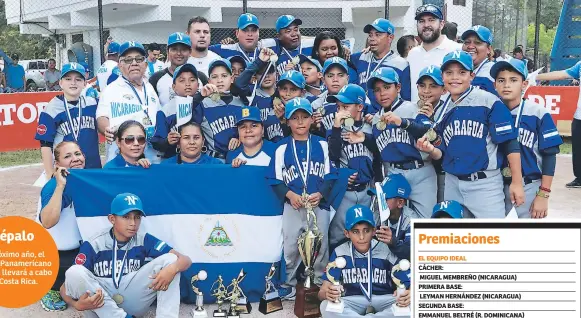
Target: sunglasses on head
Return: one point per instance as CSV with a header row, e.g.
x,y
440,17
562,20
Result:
x,y
427,8
130,140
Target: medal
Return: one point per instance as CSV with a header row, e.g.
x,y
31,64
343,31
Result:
x,y
77,131
296,60
433,137
381,125
506,172
147,121
118,299
215,97
448,101
321,111
117,269
303,172
349,122
273,58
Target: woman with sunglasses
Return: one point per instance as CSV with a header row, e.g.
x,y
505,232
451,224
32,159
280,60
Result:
x,y
131,144
190,147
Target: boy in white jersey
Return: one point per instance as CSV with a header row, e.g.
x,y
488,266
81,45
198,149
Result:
x,y
254,150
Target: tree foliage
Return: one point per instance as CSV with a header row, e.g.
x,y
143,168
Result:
x,y
546,38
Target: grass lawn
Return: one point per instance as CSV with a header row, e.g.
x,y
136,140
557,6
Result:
x,y
25,157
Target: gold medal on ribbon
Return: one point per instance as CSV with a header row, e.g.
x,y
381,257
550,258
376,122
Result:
x,y
296,60
273,58
277,101
147,121
215,97
381,125
349,122
118,299
506,172
321,111
431,135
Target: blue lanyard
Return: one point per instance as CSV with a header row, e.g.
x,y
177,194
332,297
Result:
x,y
139,98
150,65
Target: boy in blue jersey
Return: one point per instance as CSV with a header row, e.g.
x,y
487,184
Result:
x,y
538,137
448,210
121,272
312,71
366,279
302,173
478,43
253,151
477,132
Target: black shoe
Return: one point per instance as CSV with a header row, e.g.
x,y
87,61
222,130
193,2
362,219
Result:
x,y
574,184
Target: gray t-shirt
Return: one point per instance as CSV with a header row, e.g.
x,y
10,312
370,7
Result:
x,y
52,77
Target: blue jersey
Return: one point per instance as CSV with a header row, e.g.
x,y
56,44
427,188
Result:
x,y
286,55
56,126
96,255
330,111
272,127
355,277
261,158
471,132
483,79
203,160
119,162
166,122
229,50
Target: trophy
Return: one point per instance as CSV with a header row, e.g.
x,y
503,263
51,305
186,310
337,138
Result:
x,y
270,301
220,293
238,302
309,242
403,266
199,311
337,305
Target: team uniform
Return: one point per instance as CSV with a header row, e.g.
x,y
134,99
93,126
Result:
x,y
202,63
285,55
203,160
330,109
108,69
483,79
153,67
229,50
261,158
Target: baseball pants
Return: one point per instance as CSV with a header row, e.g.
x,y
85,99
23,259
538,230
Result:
x,y
356,306
294,223
423,182
441,186
337,226
134,287
482,198
523,210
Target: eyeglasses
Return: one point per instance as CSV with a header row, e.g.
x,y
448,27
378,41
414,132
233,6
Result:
x,y
138,59
428,8
130,140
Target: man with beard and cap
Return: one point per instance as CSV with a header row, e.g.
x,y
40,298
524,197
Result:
x,y
199,32
434,47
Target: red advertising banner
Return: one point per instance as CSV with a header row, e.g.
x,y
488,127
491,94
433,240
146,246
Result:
x,y
560,101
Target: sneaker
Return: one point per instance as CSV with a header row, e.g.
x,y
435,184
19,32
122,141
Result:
x,y
574,184
52,301
287,293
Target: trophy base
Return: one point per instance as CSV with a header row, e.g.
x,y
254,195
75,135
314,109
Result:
x,y
219,313
270,305
243,308
335,307
233,316
307,302
199,313
401,311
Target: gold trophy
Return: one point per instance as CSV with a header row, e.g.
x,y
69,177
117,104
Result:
x,y
307,302
338,305
238,302
199,311
220,293
270,301
404,265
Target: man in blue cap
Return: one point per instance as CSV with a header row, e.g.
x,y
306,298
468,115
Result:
x,y
254,150
109,67
380,35
448,210
247,33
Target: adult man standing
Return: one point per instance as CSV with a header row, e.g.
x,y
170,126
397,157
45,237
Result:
x,y
434,45
247,35
199,32
109,67
15,75
153,64
52,76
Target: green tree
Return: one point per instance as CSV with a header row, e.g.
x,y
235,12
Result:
x,y
550,12
546,38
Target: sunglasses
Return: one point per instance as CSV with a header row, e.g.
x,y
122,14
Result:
x,y
428,8
138,59
130,140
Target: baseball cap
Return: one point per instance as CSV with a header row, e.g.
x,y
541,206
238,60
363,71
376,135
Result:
x,y
179,38
239,59
349,94
248,113
394,186
482,32
335,61
432,72
517,65
113,48
429,9
15,56
384,74
294,77
460,57
220,62
131,45
358,213
284,21
73,67
451,208
247,19
125,203
295,104
303,58
184,68
85,65
380,25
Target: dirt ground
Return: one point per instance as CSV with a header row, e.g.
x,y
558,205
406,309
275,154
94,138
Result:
x,y
19,197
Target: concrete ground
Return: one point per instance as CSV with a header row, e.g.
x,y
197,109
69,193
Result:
x,y
19,197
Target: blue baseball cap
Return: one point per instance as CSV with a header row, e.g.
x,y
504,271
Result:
x,y
380,25
482,32
429,9
394,186
432,72
349,94
131,45
220,62
73,67
125,203
450,208
295,104
358,213
304,58
113,48
250,113
85,65
517,65
333,62
294,77
284,21
247,19
179,38
239,59
459,57
184,68
384,74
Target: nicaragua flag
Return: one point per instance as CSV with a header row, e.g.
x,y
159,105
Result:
x,y
224,219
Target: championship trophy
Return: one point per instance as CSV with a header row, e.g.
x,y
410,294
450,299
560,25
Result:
x,y
337,305
199,311
309,242
397,273
270,301
238,302
220,293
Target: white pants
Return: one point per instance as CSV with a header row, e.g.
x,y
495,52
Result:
x,y
482,198
356,306
523,210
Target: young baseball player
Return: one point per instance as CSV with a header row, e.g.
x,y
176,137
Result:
x,y
448,210
109,67
478,43
538,137
131,140
396,141
125,270
476,131
190,147
302,172
238,66
247,33
312,71
366,279
254,150
177,112
69,117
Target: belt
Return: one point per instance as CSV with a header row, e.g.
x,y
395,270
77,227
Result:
x,y
473,176
407,165
357,187
526,180
216,154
